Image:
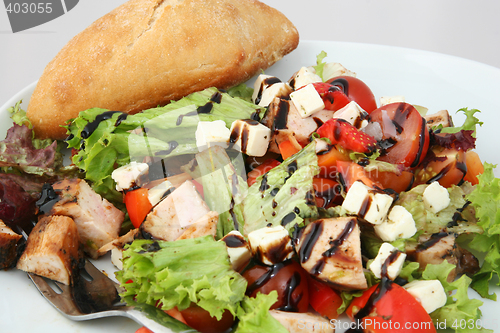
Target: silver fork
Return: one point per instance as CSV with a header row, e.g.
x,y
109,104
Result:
x,y
94,295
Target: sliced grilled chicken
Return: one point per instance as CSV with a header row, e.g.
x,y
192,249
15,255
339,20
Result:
x,y
116,247
439,247
97,220
330,249
176,214
282,115
9,241
439,118
296,322
52,249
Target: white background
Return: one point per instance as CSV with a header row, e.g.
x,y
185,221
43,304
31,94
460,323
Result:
x,y
464,28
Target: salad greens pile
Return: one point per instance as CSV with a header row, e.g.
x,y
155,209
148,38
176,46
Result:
x,y
175,274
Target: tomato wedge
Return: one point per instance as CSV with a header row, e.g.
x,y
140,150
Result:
x,y
352,172
328,192
327,161
474,167
405,136
323,299
387,307
138,205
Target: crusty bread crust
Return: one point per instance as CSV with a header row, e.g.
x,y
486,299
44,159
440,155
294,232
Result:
x,y
146,53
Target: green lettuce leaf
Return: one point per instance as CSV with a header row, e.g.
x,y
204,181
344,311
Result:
x,y
178,273
283,195
163,132
254,315
459,307
428,222
469,124
320,64
485,198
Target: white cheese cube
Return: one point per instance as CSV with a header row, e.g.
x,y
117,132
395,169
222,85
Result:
x,y
333,69
430,293
261,83
394,258
237,249
366,203
353,114
269,93
399,224
156,194
126,176
209,133
271,245
250,137
384,100
303,77
436,197
307,101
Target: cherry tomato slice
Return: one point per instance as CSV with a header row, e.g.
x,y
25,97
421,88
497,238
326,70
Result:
x,y
288,278
393,310
138,205
446,166
328,192
356,90
200,319
405,137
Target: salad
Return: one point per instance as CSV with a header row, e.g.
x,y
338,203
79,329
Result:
x,y
372,181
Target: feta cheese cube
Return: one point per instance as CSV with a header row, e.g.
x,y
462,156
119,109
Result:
x,y
307,101
209,133
333,69
126,176
399,224
250,137
303,77
353,114
262,82
430,293
391,257
436,197
237,249
279,89
361,200
271,245
384,100
157,193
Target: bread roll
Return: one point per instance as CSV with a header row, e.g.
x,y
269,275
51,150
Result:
x,y
146,53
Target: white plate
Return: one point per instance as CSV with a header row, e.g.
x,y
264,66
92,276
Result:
x,y
432,80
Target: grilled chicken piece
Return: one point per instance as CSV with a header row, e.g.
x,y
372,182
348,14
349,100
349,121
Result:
x,y
296,322
206,225
177,213
8,246
283,115
330,249
52,249
116,247
439,118
97,220
439,247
